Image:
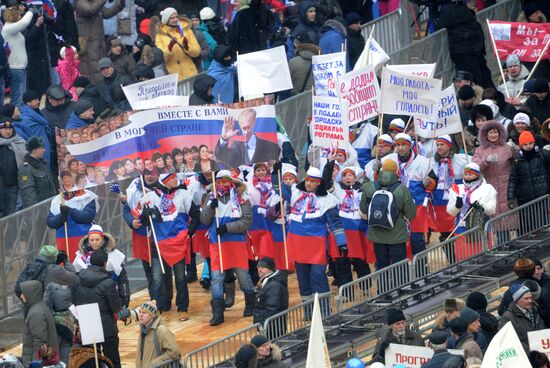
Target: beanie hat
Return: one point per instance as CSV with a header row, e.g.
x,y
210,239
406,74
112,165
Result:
x,y
530,8
81,82
518,290
244,354
353,18
259,340
466,92
267,262
512,60
522,117
526,137
116,42
30,95
165,178
395,315
34,143
458,326
5,122
472,168
166,14
477,301
445,139
389,166
469,315
453,304
529,86
385,139
524,267
397,125
144,26
463,75
150,307
313,173
355,363
96,229
82,105
402,138
541,86
7,110
144,71
207,13
104,62
49,251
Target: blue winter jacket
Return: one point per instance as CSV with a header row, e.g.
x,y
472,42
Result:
x,y
34,124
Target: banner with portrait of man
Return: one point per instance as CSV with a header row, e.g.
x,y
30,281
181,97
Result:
x,y
180,139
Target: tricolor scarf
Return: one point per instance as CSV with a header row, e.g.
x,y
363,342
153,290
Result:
x,y
166,205
469,188
445,175
307,204
234,198
349,204
265,189
403,168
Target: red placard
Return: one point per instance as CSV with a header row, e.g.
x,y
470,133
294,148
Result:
x,y
527,40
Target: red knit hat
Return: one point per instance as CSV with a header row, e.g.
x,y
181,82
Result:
x,y
526,137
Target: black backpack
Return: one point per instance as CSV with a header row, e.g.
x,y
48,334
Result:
x,y
383,210
35,270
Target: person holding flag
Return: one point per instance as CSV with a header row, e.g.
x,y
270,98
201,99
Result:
x,y
384,147
229,215
71,214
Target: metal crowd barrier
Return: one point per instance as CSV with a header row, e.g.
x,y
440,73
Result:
x,y
379,282
389,30
296,317
453,251
522,220
185,87
221,350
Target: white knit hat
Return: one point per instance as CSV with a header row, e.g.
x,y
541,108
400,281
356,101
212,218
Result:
x,y
522,117
207,13
313,173
166,13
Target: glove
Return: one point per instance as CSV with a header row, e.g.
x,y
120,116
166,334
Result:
x,y
276,167
61,257
376,165
429,183
64,210
512,204
343,250
123,314
147,213
459,203
185,43
245,173
214,203
173,41
514,147
222,229
491,158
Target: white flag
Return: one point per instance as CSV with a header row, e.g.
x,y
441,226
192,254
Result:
x,y
505,350
263,72
374,56
148,90
317,350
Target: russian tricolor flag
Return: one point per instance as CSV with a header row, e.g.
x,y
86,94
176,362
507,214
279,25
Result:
x,y
47,5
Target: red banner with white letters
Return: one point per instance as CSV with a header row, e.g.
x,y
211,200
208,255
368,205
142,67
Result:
x,y
527,40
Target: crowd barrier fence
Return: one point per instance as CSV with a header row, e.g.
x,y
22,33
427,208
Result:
x,y
221,350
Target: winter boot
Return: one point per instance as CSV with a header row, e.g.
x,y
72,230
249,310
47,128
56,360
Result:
x,y
229,288
217,312
249,300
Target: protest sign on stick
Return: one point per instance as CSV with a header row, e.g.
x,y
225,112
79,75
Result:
x,y
410,95
420,70
526,40
328,127
91,329
411,356
317,349
360,95
540,341
495,49
151,89
372,55
448,119
505,350
327,69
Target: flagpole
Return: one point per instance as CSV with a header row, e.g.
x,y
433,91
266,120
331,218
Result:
x,y
152,228
217,221
465,147
408,123
536,64
498,59
457,225
380,118
66,228
283,217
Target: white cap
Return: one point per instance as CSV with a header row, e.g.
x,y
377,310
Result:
x,y
207,13
95,229
356,170
386,138
402,136
523,118
492,105
289,169
313,172
166,14
398,123
222,174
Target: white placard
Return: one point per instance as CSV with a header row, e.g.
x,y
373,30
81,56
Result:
x,y
411,356
359,93
263,72
148,90
317,349
91,329
505,350
448,121
327,127
540,341
327,69
404,94
420,70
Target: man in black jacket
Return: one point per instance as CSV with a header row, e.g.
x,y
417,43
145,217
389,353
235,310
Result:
x,y
271,292
202,90
110,88
356,42
95,285
34,179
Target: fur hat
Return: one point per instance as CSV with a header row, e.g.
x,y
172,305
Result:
x,y
477,301
453,304
524,268
166,14
34,143
395,315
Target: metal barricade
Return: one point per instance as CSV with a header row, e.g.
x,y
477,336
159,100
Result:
x,y
169,364
185,87
221,350
296,317
377,283
522,220
453,251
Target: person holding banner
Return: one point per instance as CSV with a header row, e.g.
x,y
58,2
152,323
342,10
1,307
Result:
x,y
229,214
517,74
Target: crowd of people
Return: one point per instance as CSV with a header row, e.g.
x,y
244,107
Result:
x,y
359,208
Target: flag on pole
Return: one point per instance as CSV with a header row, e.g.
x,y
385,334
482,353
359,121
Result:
x,y
505,350
317,350
372,54
49,8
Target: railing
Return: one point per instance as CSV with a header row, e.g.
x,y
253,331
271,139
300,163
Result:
x,y
185,87
221,350
453,251
296,317
522,220
389,30
368,287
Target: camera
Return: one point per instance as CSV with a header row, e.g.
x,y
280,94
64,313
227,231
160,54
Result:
x,y
128,315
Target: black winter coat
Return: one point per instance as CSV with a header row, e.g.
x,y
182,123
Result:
x,y
540,109
217,31
65,27
529,176
8,166
200,95
250,29
37,45
356,44
95,285
465,33
489,325
57,116
111,91
439,358
91,93
271,297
